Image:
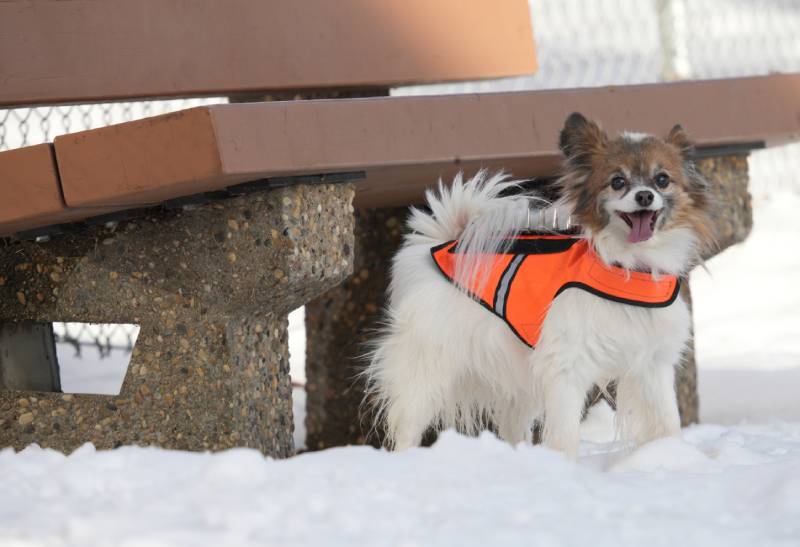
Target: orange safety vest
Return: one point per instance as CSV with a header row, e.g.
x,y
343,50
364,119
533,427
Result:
x,y
525,279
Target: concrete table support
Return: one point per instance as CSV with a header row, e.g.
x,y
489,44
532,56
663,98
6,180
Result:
x,y
338,325
211,287
732,214
731,207
686,376
339,322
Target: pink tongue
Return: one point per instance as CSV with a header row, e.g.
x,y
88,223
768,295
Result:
x,y
640,231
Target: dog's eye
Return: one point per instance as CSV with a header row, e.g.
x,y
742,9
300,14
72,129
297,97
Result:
x,y
662,180
618,183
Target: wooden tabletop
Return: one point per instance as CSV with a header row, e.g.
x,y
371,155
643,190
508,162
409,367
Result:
x,y
402,145
103,50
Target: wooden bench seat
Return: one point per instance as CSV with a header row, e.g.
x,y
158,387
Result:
x,y
402,145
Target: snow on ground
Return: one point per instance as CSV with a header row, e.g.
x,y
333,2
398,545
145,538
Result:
x,y
721,486
299,410
297,345
747,320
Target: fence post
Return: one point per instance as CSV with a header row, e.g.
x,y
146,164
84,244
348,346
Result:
x,y
673,33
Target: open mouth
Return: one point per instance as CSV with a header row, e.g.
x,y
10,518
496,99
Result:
x,y
642,224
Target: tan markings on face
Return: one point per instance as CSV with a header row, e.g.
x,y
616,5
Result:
x,y
686,203
592,160
639,163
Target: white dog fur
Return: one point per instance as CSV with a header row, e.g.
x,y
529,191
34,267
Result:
x,y
444,361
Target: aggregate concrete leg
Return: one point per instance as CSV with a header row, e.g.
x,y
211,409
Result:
x,y
732,209
733,219
336,321
211,288
686,376
337,326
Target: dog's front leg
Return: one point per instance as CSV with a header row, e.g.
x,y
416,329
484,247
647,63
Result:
x,y
565,397
647,407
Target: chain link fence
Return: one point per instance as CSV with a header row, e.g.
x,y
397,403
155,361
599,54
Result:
x,y
25,126
103,337
617,42
580,43
93,357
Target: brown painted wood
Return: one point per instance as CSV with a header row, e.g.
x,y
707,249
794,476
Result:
x,y
403,144
53,51
152,160
31,194
30,189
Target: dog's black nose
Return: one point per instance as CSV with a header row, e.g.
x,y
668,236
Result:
x,y
644,197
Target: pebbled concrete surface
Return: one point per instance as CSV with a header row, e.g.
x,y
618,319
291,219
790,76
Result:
x,y
211,287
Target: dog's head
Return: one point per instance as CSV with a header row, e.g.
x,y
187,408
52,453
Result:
x,y
638,197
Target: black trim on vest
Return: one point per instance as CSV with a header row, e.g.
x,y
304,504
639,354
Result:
x,y
575,230
606,296
532,246
438,248
542,246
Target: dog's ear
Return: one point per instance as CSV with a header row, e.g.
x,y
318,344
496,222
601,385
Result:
x,y
678,138
580,139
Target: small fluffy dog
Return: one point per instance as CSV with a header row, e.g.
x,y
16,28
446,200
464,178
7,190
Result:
x,y
442,360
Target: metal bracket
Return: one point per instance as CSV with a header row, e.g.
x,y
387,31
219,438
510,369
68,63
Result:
x,y
282,182
735,149
42,234
195,199
28,358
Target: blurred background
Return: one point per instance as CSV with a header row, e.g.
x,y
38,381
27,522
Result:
x,y
747,303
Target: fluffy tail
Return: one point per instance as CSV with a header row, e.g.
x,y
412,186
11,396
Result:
x,y
478,215
453,207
